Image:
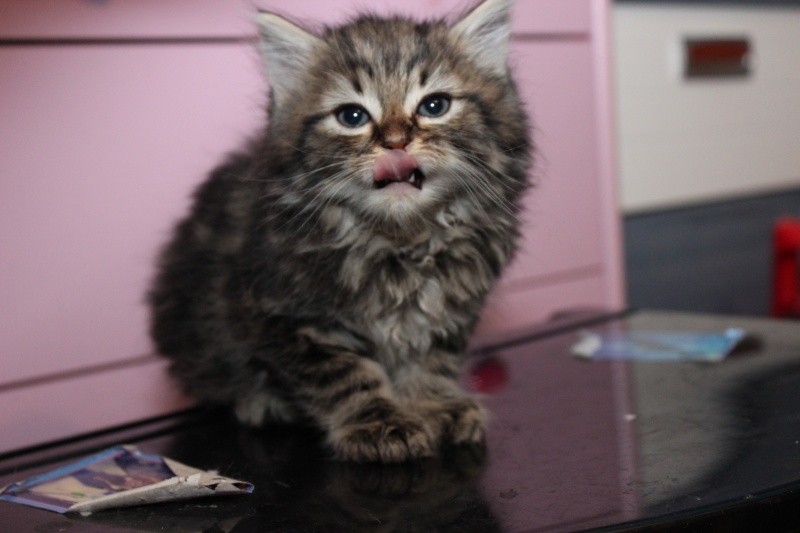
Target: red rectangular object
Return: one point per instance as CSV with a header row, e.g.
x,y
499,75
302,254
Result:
x,y
717,57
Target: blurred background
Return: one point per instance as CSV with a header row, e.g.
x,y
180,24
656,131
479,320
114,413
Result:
x,y
708,160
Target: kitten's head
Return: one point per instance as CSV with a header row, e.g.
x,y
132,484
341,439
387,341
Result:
x,y
395,120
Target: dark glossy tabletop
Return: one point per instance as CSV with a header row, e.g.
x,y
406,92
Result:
x,y
573,445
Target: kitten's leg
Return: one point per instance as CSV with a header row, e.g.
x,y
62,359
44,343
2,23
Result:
x,y
260,406
351,398
431,389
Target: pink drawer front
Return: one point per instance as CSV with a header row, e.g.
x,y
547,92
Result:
x,y
103,19
530,16
68,407
98,155
510,310
153,19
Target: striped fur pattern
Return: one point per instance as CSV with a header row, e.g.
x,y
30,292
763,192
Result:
x,y
301,289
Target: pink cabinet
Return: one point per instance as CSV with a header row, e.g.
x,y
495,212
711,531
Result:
x,y
563,263
110,114
99,147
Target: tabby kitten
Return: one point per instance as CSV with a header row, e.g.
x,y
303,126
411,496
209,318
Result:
x,y
332,273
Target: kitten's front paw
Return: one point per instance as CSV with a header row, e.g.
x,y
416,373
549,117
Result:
x,y
462,421
392,437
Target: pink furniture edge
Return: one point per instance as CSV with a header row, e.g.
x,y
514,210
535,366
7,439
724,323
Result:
x,y
231,19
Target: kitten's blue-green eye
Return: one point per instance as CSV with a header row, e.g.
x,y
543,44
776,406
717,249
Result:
x,y
434,106
352,116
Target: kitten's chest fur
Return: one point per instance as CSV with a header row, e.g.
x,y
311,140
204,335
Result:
x,y
408,297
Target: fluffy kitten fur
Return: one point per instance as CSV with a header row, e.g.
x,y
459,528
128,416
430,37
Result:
x,y
298,290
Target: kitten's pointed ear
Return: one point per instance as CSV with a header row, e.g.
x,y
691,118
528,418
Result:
x,y
486,30
286,50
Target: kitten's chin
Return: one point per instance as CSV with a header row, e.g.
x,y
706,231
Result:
x,y
399,205
399,190
398,199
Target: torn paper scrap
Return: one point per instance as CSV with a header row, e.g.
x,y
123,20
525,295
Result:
x,y
658,345
119,477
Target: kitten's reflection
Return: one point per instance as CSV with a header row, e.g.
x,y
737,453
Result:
x,y
310,493
298,489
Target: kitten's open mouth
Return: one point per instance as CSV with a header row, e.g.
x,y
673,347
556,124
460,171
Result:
x,y
396,166
415,178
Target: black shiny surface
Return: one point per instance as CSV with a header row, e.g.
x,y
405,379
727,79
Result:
x,y
573,446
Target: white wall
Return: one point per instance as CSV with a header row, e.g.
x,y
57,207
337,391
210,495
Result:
x,y
687,141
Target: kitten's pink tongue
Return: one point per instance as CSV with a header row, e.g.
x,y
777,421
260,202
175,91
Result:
x,y
394,165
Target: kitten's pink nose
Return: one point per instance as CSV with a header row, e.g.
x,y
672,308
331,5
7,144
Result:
x,y
394,165
395,145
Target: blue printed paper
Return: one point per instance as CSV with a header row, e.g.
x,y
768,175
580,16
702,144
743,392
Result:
x,y
658,345
118,477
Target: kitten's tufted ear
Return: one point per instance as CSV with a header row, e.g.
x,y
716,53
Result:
x,y
486,30
286,50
